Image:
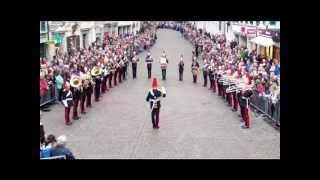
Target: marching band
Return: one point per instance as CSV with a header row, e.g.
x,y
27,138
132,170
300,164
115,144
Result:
x,y
232,83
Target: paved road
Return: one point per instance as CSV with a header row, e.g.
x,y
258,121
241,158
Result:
x,y
194,123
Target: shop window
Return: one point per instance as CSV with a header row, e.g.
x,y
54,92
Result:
x,y
42,26
272,22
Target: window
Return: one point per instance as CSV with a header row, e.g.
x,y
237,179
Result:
x,y
246,22
219,25
42,26
257,22
251,22
272,23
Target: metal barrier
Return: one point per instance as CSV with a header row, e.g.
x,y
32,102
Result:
x,y
54,157
266,107
49,96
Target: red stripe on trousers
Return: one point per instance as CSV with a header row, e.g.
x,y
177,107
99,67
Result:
x,y
67,115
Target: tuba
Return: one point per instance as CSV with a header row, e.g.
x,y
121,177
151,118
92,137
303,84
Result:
x,y
96,71
75,81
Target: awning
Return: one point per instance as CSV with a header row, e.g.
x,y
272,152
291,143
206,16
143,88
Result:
x,y
263,41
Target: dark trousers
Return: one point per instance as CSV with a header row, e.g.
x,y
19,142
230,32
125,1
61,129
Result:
x,y
75,108
214,86
115,77
235,101
104,85
180,75
120,74
164,73
229,98
155,117
82,100
205,78
67,115
110,80
88,99
60,94
211,83
194,78
149,67
124,72
134,70
242,112
219,89
223,92
97,92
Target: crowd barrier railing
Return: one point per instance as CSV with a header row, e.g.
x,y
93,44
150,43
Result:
x,y
266,107
49,96
54,157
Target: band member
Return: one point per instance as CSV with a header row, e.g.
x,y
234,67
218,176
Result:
x,y
135,60
97,80
76,98
219,84
211,75
205,72
116,67
181,68
89,92
229,95
120,70
111,73
235,94
194,69
163,64
104,80
149,61
67,102
154,96
83,94
126,62
245,108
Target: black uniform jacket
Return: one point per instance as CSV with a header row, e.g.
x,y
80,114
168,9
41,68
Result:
x,y
154,94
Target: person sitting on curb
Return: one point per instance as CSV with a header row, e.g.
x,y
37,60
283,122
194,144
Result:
x,y
61,150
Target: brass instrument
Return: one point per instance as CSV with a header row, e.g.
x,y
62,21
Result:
x,y
96,71
75,81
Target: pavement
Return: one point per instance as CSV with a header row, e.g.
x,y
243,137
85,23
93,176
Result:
x,y
194,122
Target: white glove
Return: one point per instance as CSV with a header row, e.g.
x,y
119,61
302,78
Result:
x,y
163,90
65,103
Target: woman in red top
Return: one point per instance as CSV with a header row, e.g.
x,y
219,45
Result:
x,y
43,85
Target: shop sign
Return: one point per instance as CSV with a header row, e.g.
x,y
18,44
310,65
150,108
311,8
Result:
x,y
251,33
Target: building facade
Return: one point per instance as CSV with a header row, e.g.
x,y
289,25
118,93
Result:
x,y
44,39
59,36
263,36
216,27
